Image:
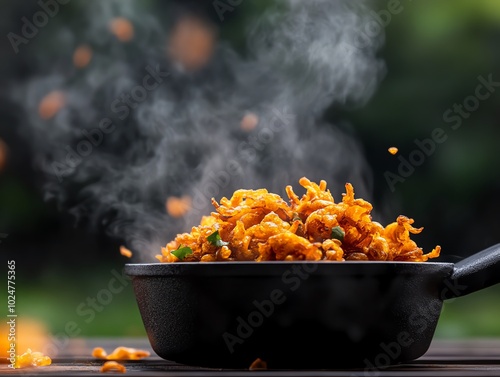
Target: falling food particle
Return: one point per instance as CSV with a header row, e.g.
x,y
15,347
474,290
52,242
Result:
x,y
192,42
258,364
122,29
249,122
82,56
32,359
51,104
125,252
393,150
120,353
178,207
3,154
113,366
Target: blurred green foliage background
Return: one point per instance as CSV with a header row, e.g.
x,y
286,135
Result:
x,y
434,52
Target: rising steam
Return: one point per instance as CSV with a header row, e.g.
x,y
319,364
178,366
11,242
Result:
x,y
135,126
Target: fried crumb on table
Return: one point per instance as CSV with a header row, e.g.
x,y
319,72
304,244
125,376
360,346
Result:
x,y
113,366
258,364
32,359
120,353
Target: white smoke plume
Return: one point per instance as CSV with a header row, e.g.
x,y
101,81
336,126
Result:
x,y
136,128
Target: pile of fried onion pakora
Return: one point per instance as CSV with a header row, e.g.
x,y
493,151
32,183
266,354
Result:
x,y
256,225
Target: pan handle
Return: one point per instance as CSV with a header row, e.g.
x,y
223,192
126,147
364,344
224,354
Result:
x,y
476,272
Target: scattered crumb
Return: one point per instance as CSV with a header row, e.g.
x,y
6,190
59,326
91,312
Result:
x,y
99,353
258,364
3,154
125,252
32,359
249,122
122,29
178,207
113,366
82,56
393,150
120,353
51,104
192,42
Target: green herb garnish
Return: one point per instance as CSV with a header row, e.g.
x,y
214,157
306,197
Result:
x,y
182,252
215,239
337,233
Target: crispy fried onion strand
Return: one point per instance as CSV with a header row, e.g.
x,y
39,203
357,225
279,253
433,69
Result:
x,y
255,225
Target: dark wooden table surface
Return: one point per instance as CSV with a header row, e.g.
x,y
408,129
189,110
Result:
x,y
471,357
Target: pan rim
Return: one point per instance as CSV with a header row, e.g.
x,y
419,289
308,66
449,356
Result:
x,y
277,268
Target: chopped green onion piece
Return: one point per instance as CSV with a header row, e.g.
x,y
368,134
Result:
x,y
182,252
215,239
337,233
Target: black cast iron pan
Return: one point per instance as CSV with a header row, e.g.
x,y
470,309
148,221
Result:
x,y
309,315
